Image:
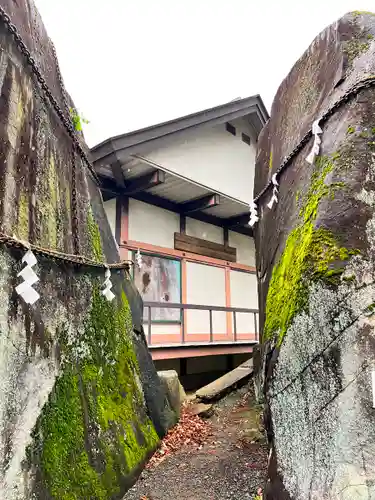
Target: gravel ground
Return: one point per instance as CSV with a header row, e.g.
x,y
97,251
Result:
x,y
230,466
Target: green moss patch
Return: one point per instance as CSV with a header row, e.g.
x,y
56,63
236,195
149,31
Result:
x,y
355,48
51,216
53,192
95,238
360,43
357,13
311,254
94,431
23,217
350,130
270,162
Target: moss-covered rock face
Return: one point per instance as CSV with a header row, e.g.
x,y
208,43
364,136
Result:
x,y
310,255
81,405
94,419
316,261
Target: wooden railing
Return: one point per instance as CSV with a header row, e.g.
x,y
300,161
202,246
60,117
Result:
x,y
148,306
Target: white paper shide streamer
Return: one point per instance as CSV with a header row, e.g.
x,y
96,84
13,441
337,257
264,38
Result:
x,y
138,259
253,214
107,292
316,131
25,289
275,192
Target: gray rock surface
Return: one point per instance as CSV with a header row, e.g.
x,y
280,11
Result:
x,y
316,266
174,391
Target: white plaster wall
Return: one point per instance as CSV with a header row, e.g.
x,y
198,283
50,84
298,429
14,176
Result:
x,y
204,231
205,286
213,157
244,293
245,248
110,210
162,329
152,225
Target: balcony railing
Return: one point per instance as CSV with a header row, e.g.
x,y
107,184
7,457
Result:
x,y
233,337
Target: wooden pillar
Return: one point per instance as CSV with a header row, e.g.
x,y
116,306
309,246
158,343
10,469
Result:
x,y
226,236
183,298
183,224
122,224
228,301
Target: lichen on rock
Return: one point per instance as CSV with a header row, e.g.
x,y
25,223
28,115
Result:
x,y
316,261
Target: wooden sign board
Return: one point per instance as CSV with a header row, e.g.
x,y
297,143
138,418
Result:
x,y
191,244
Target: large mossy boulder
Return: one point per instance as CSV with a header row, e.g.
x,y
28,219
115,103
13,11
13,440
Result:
x,y
316,268
81,405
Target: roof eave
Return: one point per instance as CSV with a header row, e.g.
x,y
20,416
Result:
x,y
252,106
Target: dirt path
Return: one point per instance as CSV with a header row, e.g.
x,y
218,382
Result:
x,y
229,466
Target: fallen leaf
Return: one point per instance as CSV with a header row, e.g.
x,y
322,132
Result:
x,y
190,431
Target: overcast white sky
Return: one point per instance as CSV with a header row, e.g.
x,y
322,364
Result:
x,y
132,63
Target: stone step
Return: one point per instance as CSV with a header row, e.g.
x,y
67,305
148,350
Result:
x,y
226,383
